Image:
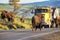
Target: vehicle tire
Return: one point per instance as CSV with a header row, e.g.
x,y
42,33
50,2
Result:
x,y
46,26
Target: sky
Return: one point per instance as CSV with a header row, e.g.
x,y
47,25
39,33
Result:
x,y
23,1
26,1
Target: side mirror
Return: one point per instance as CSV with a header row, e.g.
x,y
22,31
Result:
x,y
32,11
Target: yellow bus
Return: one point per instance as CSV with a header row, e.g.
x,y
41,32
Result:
x,y
46,20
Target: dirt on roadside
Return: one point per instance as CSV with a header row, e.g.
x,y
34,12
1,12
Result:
x,y
54,36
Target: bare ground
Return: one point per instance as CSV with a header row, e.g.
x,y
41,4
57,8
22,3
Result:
x,y
54,36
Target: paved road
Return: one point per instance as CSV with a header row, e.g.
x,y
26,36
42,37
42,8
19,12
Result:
x,y
25,34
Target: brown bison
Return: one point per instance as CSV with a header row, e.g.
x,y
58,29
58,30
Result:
x,y
8,15
3,15
36,21
57,21
22,20
56,18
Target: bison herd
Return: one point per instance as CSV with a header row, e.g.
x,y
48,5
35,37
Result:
x,y
37,22
8,15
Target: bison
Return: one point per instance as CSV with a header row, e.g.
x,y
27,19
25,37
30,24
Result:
x,y
36,22
8,15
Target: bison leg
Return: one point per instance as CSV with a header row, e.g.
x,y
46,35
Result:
x,y
36,29
33,28
40,25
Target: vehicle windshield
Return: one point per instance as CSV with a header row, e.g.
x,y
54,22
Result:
x,y
41,10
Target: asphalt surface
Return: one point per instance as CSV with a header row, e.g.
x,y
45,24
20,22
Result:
x,y
25,34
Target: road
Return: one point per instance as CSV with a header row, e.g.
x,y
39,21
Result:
x,y
25,34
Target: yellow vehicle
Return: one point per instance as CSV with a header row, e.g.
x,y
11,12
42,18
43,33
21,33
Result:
x,y
46,19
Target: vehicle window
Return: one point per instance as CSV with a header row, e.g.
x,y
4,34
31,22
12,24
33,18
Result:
x,y
41,10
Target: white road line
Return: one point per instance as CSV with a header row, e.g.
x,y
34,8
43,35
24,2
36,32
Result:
x,y
41,34
13,33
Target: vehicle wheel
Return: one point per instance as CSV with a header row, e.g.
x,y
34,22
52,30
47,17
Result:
x,y
46,26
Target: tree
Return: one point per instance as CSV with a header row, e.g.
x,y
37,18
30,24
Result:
x,y
15,4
